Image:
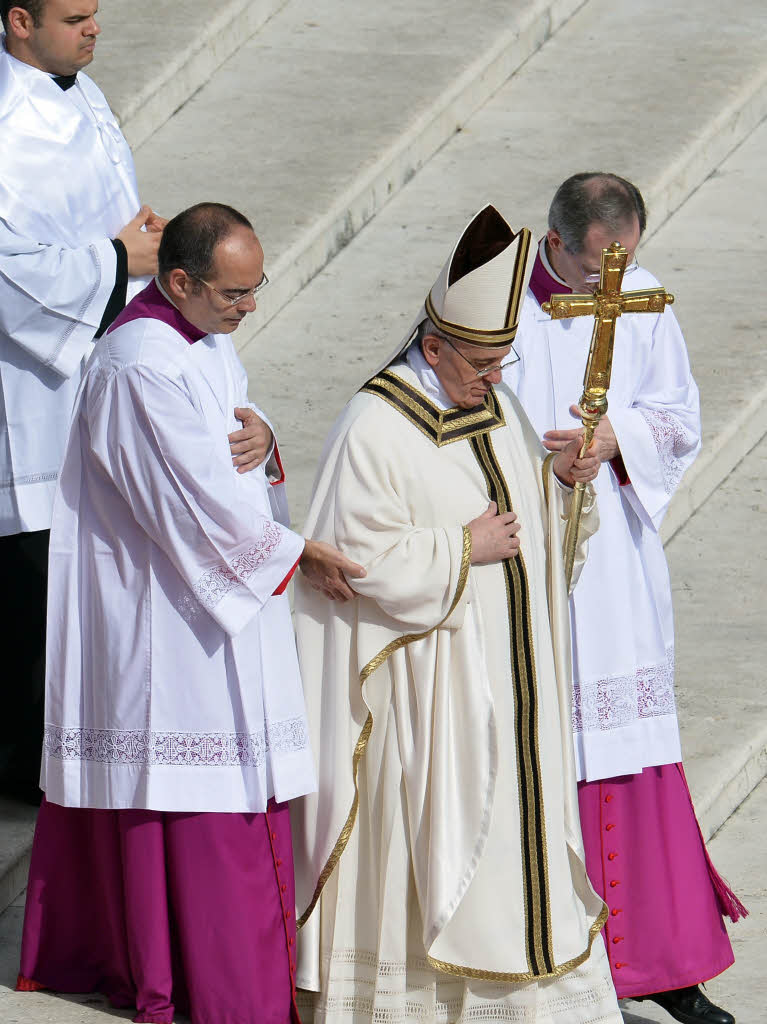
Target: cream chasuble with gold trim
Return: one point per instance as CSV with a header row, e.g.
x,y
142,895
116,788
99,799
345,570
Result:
x,y
439,869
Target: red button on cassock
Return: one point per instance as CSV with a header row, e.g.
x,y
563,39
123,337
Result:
x,y
274,835
288,915
608,798
290,942
619,964
283,888
611,856
616,911
614,883
609,827
617,939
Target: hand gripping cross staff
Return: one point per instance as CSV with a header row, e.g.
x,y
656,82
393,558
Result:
x,y
606,304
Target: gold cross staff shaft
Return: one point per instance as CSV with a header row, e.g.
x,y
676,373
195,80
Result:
x,y
606,304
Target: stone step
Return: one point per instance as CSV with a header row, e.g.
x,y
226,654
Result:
x,y
306,362
710,253
148,74
319,119
684,115
718,562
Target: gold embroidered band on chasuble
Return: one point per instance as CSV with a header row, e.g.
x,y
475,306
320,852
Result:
x,y
440,426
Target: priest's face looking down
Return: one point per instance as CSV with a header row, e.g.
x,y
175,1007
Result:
x,y
60,40
575,267
237,269
453,362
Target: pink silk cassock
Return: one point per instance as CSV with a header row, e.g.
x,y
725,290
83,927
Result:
x,y
645,856
165,911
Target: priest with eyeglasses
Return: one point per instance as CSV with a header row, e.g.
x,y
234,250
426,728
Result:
x,y
439,867
175,729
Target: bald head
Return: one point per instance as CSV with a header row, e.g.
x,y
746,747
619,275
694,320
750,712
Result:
x,y
595,197
189,240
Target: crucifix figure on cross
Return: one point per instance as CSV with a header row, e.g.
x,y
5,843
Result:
x,y
606,304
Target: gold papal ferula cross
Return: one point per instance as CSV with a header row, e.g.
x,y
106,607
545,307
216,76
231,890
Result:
x,y
606,304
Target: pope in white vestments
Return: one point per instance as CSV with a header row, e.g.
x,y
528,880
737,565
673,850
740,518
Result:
x,y
439,869
175,725
646,856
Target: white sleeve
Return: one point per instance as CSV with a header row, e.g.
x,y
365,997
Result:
x,y
415,575
181,488
52,298
659,435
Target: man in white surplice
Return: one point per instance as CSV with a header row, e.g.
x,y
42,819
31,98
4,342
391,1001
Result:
x,y
439,869
627,744
173,695
71,249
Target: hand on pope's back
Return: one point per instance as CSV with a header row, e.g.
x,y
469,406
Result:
x,y
250,445
326,569
494,536
141,246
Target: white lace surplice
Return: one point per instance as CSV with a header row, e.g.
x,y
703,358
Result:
x,y
624,713
172,676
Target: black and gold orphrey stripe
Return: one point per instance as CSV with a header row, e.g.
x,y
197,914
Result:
x,y
440,426
444,427
540,954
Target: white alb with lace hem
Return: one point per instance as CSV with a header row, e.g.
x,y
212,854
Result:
x,y
624,713
172,675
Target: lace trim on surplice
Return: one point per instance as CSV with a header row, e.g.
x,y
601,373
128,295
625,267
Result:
x,y
145,747
673,441
217,582
616,701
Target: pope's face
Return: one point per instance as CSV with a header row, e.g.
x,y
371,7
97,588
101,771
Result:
x,y
238,268
574,268
456,365
64,41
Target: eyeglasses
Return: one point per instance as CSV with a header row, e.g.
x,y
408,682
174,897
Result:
x,y
487,369
234,300
595,278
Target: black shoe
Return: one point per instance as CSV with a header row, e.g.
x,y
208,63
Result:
x,y
691,1006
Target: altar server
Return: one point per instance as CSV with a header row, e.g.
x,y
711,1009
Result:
x,y
175,729
644,850
440,873
71,248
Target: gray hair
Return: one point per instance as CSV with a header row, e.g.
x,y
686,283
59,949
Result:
x,y
594,197
427,326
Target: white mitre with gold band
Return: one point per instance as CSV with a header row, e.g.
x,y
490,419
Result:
x,y
478,295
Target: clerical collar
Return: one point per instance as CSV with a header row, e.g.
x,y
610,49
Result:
x,y
153,303
427,378
544,281
65,82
